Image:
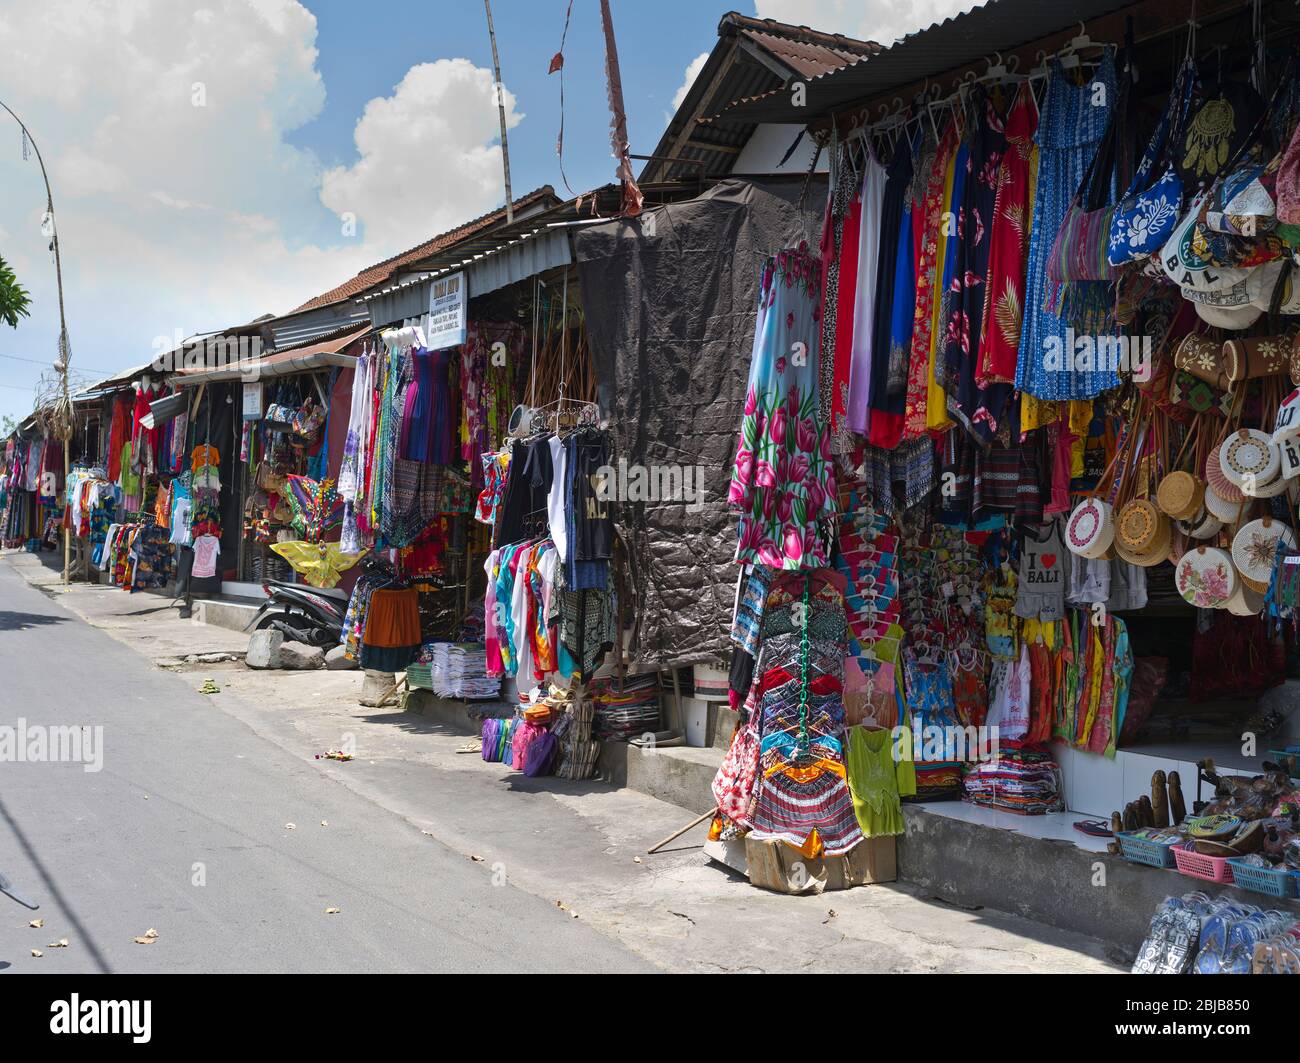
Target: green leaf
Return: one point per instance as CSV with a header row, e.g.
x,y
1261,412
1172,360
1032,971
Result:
x,y
14,300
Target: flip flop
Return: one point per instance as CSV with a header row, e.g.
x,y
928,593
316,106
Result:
x,y
1093,828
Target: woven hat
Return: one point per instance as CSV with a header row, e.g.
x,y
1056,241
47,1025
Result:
x,y
1206,577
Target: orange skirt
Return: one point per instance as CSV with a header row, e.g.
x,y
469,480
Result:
x,y
392,619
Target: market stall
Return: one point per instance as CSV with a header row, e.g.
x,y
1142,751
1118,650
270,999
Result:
x,y
1015,487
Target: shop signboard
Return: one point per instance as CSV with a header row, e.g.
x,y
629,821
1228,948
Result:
x,y
447,298
253,402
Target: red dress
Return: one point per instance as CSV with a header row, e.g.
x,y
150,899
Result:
x,y
1004,295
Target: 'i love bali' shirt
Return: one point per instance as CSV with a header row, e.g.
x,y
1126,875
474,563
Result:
x,y
1044,575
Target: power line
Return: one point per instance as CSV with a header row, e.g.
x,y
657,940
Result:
x,y
48,365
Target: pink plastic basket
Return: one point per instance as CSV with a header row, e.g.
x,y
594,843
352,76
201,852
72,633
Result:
x,y
1198,865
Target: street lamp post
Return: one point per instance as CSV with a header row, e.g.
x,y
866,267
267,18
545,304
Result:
x,y
64,421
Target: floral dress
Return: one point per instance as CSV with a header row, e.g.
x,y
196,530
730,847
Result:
x,y
782,482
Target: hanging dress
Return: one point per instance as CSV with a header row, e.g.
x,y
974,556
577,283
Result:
x,y
946,271
864,303
1071,125
783,482
930,225
893,269
841,354
1004,294
802,796
979,411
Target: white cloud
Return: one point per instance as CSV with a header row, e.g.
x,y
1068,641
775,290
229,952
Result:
x,y
181,206
427,158
692,72
883,21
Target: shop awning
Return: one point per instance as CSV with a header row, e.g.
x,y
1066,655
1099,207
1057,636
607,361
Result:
x,y
320,355
163,410
489,264
995,26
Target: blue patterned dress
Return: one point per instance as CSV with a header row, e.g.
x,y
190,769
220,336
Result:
x,y
1072,123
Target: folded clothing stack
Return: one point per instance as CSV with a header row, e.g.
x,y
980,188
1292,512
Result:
x,y
627,708
459,670
1022,780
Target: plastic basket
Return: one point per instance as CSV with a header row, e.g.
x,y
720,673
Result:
x,y
1145,851
1198,865
1276,882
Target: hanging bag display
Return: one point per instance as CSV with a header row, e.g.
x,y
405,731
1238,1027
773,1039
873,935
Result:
x,y
1149,210
1143,533
1181,493
1080,248
1090,528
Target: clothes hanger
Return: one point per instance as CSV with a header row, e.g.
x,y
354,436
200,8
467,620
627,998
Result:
x,y
1070,57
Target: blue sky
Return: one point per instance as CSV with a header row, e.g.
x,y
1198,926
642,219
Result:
x,y
213,160
135,230
656,42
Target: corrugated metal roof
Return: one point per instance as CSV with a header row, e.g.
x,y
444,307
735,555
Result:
x,y
752,56
995,26
385,270
804,58
513,260
316,355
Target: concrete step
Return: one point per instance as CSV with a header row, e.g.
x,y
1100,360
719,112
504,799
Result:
x,y
234,616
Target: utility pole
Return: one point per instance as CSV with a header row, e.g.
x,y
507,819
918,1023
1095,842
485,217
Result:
x,y
63,416
500,90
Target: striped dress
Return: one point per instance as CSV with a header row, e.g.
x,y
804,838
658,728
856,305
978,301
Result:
x,y
797,703
1071,124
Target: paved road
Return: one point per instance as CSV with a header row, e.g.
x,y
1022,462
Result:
x,y
184,831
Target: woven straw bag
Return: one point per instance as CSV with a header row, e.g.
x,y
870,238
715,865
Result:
x,y
1140,526
1090,528
1181,493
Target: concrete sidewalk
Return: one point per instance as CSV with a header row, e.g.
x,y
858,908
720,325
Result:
x,y
580,844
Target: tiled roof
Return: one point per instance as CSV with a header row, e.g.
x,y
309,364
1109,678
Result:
x,y
384,271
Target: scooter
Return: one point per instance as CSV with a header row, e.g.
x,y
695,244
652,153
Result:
x,y
302,614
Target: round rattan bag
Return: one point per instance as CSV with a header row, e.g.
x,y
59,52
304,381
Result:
x,y
1248,601
1181,495
1091,528
1250,461
1205,525
1255,547
1155,551
1206,577
1140,525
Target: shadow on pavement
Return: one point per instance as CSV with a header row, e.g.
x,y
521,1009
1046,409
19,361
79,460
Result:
x,y
11,621
83,935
